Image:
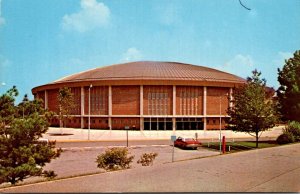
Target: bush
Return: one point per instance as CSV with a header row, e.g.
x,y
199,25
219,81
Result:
x,y
49,174
147,159
114,159
293,128
285,138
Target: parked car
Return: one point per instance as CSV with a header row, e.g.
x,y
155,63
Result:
x,y
187,143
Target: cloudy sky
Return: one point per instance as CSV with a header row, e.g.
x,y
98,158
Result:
x,y
41,41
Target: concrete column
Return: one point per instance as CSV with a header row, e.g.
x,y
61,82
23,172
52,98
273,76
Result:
x,y
141,100
46,99
204,107
82,107
174,100
174,108
109,107
141,123
141,108
174,123
109,123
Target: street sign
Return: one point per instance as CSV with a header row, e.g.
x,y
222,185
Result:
x,y
126,128
173,138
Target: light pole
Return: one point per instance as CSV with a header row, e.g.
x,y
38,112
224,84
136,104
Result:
x,y
89,111
220,123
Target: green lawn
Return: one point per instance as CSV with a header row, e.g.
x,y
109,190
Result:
x,y
240,145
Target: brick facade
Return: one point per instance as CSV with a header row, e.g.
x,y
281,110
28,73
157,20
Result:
x,y
214,123
41,95
52,100
126,100
157,102
99,100
189,100
120,123
213,100
96,122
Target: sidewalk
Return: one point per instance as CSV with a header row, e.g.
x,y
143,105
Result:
x,y
73,135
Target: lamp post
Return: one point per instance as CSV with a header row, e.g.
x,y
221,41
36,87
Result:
x,y
220,123
89,111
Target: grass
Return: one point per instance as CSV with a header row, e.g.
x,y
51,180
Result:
x,y
240,145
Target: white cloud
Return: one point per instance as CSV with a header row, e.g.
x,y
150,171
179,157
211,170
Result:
x,y
132,54
2,20
92,15
239,65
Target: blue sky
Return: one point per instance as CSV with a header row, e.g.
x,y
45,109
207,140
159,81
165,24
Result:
x,y
41,41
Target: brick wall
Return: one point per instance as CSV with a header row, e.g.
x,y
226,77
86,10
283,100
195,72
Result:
x,y
77,101
213,100
41,95
155,110
189,100
214,123
74,122
99,100
52,100
96,123
120,123
126,100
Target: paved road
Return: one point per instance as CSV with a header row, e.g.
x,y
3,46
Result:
x,y
267,170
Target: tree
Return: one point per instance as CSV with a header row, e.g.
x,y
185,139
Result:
x,y
289,91
22,155
252,112
65,104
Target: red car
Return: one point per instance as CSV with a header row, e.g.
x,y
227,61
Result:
x,y
187,143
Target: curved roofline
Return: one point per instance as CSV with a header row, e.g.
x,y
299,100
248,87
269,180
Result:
x,y
142,70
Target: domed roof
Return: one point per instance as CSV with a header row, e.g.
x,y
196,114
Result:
x,y
147,73
152,70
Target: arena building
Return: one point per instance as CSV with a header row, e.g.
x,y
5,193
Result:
x,y
145,95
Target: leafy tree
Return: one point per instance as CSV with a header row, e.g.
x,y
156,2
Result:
x,y
252,112
22,155
65,104
289,90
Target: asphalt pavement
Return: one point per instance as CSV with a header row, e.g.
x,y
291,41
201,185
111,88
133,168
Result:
x,y
275,169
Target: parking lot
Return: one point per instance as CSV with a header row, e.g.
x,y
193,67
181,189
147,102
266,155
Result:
x,y
76,161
